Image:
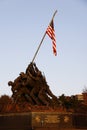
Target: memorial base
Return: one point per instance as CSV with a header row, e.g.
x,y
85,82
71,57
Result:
x,y
43,121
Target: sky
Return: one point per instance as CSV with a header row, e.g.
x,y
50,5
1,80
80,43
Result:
x,y
22,26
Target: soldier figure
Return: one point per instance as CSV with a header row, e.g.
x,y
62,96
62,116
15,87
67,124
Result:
x,y
32,86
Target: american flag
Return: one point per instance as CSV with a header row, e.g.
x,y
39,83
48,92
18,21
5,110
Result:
x,y
51,33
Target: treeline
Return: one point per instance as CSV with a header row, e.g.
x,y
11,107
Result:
x,y
68,104
7,105
73,104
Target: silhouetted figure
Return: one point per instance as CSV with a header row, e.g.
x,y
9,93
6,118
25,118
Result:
x,y
32,87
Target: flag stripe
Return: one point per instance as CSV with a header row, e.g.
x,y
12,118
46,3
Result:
x,y
49,32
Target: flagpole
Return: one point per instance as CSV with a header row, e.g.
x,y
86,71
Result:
x,y
42,39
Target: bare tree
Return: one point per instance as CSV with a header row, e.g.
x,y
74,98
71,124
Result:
x,y
85,89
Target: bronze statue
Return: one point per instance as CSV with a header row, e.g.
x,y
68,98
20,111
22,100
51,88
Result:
x,y
32,87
